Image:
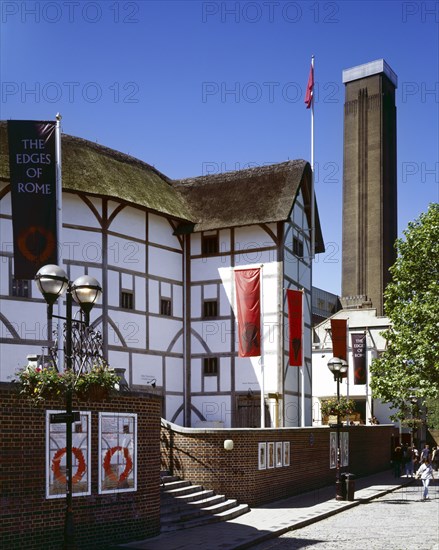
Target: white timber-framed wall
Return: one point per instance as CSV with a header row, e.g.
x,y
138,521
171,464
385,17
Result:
x,y
359,321
155,281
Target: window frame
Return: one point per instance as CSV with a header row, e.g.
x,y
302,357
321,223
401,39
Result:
x,y
209,244
125,293
168,301
210,366
23,288
206,304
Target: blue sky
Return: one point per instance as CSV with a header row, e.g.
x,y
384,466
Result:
x,y
197,87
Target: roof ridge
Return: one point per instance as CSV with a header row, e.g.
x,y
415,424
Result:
x,y
253,171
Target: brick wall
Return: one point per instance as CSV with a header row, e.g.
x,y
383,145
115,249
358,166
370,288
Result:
x,y
198,455
29,520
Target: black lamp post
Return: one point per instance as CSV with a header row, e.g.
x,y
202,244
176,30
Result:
x,y
53,282
339,368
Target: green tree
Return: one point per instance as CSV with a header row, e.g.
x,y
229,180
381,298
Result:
x,y
410,364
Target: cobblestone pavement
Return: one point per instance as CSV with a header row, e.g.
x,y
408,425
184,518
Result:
x,y
396,521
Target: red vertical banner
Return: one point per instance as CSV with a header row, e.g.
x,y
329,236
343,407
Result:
x,y
339,329
248,299
295,326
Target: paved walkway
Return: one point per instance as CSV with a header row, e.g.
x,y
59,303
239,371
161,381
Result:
x,y
273,519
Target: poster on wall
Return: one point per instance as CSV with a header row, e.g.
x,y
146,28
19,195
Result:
x,y
333,449
344,447
262,456
270,453
117,452
279,459
286,453
56,457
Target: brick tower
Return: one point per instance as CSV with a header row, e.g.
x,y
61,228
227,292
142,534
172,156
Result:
x,y
369,183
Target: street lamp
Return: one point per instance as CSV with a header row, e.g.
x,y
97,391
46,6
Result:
x,y
339,368
53,282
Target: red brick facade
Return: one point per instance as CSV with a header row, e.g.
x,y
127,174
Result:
x,y
29,520
199,456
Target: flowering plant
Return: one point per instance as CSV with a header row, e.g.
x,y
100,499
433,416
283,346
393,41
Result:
x,y
40,383
97,382
341,407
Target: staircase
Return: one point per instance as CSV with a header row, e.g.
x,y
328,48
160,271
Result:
x,y
184,505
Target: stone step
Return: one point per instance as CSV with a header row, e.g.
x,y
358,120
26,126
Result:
x,y
169,506
169,479
231,513
190,512
191,497
181,491
176,484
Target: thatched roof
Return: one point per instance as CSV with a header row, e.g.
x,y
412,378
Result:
x,y
245,197
263,194
97,170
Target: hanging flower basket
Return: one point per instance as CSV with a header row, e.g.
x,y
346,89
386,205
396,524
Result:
x,y
94,392
333,407
39,384
96,384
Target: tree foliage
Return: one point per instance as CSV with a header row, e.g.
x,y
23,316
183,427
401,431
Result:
x,y
410,364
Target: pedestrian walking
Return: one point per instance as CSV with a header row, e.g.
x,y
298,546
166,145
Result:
x,y
425,453
425,473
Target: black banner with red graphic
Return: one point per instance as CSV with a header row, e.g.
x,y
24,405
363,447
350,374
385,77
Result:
x,y
359,355
32,166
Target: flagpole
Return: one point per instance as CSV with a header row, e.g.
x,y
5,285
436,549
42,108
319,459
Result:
x,y
262,350
60,334
313,238
302,368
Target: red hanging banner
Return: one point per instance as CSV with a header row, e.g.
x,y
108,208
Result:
x,y
248,300
295,326
339,329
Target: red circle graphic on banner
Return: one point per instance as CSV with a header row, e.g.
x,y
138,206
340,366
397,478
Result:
x,y
34,231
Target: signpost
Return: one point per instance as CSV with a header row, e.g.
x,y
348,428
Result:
x,y
63,418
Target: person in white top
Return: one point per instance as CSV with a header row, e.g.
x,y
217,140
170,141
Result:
x,y
425,472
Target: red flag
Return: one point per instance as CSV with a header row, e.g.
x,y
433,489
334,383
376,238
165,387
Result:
x,y
339,338
310,88
295,324
248,299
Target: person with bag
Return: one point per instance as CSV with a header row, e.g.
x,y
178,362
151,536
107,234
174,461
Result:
x,y
425,473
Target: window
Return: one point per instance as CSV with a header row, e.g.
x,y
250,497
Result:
x,y
210,308
166,307
297,247
21,288
127,299
210,366
209,244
